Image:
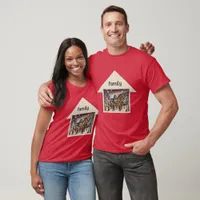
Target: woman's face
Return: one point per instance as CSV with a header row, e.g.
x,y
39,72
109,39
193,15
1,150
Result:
x,y
75,61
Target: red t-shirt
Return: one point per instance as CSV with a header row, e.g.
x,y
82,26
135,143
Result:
x,y
123,83
69,137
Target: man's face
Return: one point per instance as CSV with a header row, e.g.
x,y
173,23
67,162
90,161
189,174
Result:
x,y
114,29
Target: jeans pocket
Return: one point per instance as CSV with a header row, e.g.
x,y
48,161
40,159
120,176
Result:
x,y
134,156
139,155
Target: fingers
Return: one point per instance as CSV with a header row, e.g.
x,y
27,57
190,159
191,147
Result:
x,y
137,151
147,44
43,102
140,150
45,98
49,93
136,148
39,191
149,48
38,187
134,151
41,188
129,145
142,47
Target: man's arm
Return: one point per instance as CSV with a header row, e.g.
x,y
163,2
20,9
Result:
x,y
45,95
169,103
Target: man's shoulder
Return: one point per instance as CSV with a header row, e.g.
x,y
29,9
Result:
x,y
141,56
97,54
140,53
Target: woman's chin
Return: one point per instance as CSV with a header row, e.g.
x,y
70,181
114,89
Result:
x,y
77,74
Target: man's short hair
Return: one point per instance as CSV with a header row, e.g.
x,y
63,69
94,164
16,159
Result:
x,y
113,8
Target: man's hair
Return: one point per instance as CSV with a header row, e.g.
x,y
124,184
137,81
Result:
x,y
113,8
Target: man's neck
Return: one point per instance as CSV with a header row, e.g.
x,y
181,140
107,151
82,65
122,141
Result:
x,y
118,50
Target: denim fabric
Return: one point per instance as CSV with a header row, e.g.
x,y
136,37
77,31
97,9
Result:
x,y
138,170
77,177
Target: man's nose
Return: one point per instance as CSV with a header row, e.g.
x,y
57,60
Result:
x,y
114,28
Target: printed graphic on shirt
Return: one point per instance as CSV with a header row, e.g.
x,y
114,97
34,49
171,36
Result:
x,y
82,119
81,124
116,94
116,100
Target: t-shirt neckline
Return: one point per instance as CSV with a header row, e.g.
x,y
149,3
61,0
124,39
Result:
x,y
119,55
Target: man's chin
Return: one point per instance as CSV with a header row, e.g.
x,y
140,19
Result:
x,y
114,44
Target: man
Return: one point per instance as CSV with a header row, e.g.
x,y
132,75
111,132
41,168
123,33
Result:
x,y
123,77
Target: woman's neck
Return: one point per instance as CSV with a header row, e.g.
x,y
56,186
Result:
x,y
77,81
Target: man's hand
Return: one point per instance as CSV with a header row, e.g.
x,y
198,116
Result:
x,y
45,95
37,184
147,48
141,147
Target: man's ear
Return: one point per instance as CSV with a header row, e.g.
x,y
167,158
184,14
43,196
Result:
x,y
101,29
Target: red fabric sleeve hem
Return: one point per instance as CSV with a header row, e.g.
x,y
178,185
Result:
x,y
160,86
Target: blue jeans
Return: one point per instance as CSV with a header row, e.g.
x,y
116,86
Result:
x,y
77,177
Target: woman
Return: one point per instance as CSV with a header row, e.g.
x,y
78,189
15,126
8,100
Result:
x,y
61,151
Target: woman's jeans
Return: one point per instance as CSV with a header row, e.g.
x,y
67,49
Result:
x,y
76,177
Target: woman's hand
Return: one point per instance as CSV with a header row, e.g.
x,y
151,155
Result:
x,y
37,184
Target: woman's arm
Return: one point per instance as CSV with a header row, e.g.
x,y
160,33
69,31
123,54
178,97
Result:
x,y
44,117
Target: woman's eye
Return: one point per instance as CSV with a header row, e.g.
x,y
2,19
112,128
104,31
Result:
x,y
80,57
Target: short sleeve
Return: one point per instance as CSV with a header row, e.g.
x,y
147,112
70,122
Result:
x,y
51,87
155,77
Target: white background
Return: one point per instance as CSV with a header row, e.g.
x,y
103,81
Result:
x,y
31,32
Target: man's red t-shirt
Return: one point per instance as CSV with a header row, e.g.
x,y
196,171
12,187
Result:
x,y
123,83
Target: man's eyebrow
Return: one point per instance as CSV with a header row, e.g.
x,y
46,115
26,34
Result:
x,y
115,21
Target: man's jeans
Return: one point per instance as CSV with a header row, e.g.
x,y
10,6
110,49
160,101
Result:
x,y
110,170
77,177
